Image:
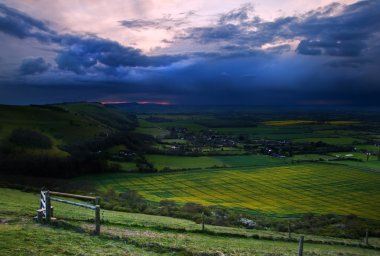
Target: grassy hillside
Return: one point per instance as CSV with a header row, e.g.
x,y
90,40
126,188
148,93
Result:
x,y
106,116
74,119
63,123
59,140
138,234
27,238
283,190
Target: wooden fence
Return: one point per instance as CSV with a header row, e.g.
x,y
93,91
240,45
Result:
x,y
46,213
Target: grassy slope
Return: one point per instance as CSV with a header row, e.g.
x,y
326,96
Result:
x,y
63,123
138,234
27,238
106,117
286,189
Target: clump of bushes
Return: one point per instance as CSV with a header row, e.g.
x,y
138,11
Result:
x,y
129,201
30,138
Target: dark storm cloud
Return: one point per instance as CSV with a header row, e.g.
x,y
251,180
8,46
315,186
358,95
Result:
x,y
31,66
138,24
335,60
333,48
82,53
20,25
206,35
252,32
240,14
78,53
346,34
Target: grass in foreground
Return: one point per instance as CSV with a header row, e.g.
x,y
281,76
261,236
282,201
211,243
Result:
x,y
136,234
28,238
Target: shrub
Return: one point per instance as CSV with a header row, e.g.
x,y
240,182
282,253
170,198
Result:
x,y
192,208
168,203
168,208
30,138
133,200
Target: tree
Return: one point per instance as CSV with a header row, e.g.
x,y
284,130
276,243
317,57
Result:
x,y
30,138
368,154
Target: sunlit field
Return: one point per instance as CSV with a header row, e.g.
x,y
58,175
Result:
x,y
281,190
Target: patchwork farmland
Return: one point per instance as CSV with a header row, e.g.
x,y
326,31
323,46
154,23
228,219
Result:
x,y
278,190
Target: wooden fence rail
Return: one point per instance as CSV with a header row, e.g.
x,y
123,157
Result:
x,y
46,210
73,203
94,198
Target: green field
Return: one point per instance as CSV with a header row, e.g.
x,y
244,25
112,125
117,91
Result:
x,y
370,165
153,131
139,234
175,141
368,147
312,157
278,190
210,162
332,140
125,166
183,162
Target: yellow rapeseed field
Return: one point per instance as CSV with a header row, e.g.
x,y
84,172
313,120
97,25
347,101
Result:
x,y
283,190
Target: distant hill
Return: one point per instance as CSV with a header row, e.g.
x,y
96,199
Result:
x,y
65,123
134,107
49,134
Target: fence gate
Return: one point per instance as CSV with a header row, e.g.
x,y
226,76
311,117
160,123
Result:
x,y
45,212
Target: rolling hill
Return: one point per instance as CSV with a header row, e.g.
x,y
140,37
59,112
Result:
x,y
49,135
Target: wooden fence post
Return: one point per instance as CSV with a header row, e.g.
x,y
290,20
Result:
x,y
40,212
289,231
97,200
97,220
366,237
47,206
300,248
203,221
42,199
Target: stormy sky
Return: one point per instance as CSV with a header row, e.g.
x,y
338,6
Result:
x,y
260,52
